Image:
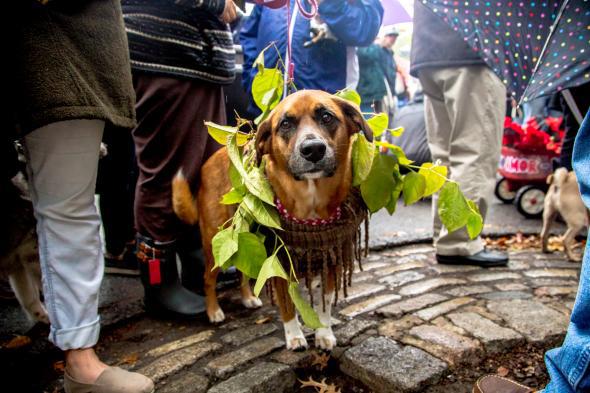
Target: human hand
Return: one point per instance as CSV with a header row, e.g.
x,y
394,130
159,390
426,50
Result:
x,y
229,13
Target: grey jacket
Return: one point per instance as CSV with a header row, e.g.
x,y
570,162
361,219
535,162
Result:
x,y
435,44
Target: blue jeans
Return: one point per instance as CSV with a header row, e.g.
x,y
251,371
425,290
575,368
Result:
x,y
569,365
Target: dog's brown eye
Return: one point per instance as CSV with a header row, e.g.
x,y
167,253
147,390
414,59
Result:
x,y
285,124
327,118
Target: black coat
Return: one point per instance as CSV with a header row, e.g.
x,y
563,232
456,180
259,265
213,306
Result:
x,y
435,44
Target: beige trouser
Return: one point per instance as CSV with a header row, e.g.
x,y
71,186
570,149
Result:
x,y
464,109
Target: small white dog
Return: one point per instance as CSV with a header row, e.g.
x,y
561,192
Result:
x,y
564,198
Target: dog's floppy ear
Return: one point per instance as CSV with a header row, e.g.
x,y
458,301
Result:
x,y
356,120
263,138
550,179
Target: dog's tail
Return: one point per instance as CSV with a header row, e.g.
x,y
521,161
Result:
x,y
183,201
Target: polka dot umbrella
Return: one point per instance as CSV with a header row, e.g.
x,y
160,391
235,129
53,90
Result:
x,y
535,47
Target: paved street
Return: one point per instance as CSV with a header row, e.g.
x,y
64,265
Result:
x,y
408,325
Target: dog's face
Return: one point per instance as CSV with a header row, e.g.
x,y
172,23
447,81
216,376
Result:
x,y
308,133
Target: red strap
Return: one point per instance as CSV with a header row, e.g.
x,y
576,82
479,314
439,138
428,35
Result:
x,y
154,270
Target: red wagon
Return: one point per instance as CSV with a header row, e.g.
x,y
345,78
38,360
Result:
x,y
526,161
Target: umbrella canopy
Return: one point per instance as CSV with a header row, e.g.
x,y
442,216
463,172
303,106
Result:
x,y
535,47
394,12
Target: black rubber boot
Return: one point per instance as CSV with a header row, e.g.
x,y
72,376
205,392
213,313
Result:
x,y
164,294
192,261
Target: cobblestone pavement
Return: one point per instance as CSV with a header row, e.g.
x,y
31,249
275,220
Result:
x,y
406,324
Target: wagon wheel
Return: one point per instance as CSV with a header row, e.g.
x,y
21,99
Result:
x,y
530,201
502,191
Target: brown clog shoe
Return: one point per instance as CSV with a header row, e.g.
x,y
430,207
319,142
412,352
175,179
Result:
x,y
498,384
111,380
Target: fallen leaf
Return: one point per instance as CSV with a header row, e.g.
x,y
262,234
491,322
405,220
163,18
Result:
x,y
130,359
320,360
262,320
17,342
502,371
320,387
59,366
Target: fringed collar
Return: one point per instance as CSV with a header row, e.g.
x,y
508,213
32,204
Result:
x,y
336,214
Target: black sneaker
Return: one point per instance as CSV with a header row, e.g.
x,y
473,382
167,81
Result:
x,y
483,258
124,264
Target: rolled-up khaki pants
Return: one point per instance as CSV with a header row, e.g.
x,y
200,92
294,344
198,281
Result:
x,y
464,109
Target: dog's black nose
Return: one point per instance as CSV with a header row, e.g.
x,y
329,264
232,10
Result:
x,y
312,150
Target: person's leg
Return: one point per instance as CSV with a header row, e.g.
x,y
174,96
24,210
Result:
x,y
569,365
62,160
474,101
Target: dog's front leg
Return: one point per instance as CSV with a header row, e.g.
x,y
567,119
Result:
x,y
324,337
294,336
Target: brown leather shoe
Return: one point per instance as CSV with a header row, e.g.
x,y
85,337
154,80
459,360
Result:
x,y
111,380
498,384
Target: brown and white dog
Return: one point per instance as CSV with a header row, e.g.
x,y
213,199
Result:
x,y
563,197
306,142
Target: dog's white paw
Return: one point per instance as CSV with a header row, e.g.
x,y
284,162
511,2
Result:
x,y
294,337
325,339
298,343
217,316
252,302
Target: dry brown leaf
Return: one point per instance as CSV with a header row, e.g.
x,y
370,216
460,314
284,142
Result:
x,y
17,342
262,320
320,360
320,387
59,366
130,359
502,371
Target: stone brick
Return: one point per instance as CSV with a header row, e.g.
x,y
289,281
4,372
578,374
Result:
x,y
180,343
291,358
401,278
189,382
172,362
551,282
456,349
227,363
555,291
384,366
369,266
248,333
533,319
518,265
443,308
485,277
484,312
468,290
428,285
398,268
396,328
419,249
553,273
362,289
352,329
368,305
398,309
506,295
494,337
512,286
443,269
444,323
262,378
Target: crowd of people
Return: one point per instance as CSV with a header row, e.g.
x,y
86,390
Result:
x,y
142,76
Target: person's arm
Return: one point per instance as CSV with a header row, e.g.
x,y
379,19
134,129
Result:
x,y
248,38
355,22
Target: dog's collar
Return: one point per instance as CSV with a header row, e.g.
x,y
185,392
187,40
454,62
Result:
x,y
307,221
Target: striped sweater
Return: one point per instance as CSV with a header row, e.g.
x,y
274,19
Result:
x,y
182,38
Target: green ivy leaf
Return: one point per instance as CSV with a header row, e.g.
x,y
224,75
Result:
x,y
234,176
221,133
396,132
265,81
363,152
235,157
397,189
397,152
414,186
250,255
224,245
309,316
257,183
242,221
435,176
263,213
378,123
349,95
270,268
474,221
377,188
232,197
453,209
